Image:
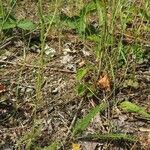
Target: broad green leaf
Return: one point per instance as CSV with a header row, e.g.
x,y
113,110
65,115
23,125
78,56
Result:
x,y
8,24
71,22
94,37
83,13
133,108
26,24
78,22
53,146
82,124
81,73
81,89
82,25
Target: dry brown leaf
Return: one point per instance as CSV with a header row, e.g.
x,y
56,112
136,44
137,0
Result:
x,y
104,83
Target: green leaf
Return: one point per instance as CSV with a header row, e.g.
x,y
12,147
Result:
x,y
78,22
81,89
83,14
81,73
133,108
53,146
94,37
83,123
8,24
82,25
71,22
26,24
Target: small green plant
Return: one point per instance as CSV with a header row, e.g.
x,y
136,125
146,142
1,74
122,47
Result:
x,y
83,86
8,20
53,146
82,124
11,23
79,21
133,108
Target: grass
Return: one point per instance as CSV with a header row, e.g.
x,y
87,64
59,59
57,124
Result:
x,y
119,35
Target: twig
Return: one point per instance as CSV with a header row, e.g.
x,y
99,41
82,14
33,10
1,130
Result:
x,y
6,42
33,66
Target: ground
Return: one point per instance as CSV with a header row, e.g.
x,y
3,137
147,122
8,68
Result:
x,y
26,119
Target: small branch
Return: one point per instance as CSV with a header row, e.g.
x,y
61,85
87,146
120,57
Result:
x,y
6,42
33,66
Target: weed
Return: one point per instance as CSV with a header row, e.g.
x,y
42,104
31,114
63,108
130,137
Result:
x,y
81,125
8,21
133,108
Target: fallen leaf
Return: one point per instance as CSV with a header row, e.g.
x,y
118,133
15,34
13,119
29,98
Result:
x,y
104,83
76,147
2,88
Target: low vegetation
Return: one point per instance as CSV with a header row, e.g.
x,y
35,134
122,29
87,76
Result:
x,y
74,73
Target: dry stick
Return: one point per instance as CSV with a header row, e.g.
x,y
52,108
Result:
x,y
6,42
33,66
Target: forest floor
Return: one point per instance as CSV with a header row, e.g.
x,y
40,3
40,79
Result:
x,y
22,122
